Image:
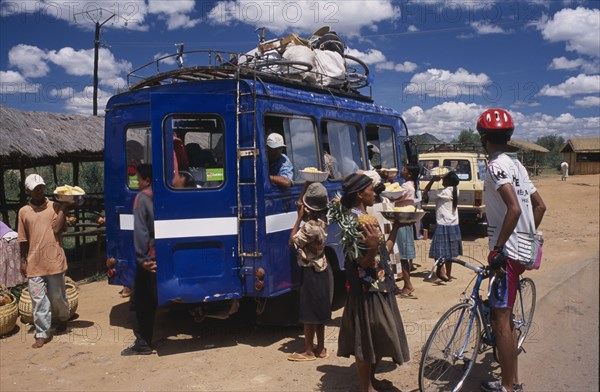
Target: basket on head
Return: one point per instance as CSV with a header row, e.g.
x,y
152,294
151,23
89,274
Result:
x,y
26,307
8,315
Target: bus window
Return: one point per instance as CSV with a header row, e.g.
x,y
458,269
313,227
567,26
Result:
x,y
194,155
137,150
343,142
380,146
300,136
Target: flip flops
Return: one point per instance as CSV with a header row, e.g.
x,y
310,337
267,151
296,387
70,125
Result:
x,y
299,357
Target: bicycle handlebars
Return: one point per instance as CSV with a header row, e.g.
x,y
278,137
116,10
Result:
x,y
484,271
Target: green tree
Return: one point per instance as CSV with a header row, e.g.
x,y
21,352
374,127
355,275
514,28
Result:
x,y
553,143
467,136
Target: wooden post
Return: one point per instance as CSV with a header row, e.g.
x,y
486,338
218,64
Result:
x,y
3,206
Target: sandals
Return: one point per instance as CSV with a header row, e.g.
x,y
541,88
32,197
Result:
x,y
39,342
300,357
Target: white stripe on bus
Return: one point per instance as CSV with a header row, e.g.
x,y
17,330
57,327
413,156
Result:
x,y
208,227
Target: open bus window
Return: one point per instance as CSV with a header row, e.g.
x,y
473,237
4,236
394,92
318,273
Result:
x,y
380,147
342,142
461,167
195,153
138,150
300,137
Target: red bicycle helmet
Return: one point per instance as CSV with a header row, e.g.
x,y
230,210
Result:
x,y
495,121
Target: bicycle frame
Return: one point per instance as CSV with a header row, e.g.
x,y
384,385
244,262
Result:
x,y
476,307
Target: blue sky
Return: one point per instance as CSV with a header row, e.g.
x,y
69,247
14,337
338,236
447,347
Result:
x,y
438,63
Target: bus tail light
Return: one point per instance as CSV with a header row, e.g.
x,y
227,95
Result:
x,y
259,279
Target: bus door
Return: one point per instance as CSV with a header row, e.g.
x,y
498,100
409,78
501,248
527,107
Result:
x,y
194,198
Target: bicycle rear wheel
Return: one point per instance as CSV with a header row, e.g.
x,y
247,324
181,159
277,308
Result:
x,y
451,350
523,310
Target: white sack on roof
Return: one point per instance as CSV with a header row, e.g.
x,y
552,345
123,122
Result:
x,y
302,54
330,67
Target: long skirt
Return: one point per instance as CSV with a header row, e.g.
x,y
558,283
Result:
x,y
315,307
372,328
446,242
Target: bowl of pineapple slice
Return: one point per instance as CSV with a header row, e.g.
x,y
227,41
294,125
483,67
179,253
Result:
x,y
313,174
393,191
405,215
69,194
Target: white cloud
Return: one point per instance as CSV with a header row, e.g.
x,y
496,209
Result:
x,y
484,28
12,82
175,12
448,119
347,18
168,60
406,66
81,63
578,27
82,102
580,84
563,63
30,60
463,4
129,14
445,121
370,57
444,83
412,28
377,58
588,102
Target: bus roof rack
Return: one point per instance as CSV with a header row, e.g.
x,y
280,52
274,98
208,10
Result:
x,y
215,64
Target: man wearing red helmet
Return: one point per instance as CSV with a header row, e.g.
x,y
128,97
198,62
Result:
x,y
514,210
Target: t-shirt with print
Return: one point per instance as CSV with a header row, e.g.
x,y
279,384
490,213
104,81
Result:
x,y
46,254
505,168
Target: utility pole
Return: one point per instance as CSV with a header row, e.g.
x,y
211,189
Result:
x,y
96,48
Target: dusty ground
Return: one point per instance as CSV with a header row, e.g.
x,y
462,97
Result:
x,y
235,356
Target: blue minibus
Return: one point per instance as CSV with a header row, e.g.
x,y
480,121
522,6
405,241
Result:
x,y
221,227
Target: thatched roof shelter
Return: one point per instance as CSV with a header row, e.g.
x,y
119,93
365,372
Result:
x,y
527,146
29,139
582,144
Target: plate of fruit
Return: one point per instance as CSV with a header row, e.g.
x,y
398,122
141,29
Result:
x,y
69,194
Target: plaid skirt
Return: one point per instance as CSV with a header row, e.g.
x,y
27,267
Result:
x,y
446,242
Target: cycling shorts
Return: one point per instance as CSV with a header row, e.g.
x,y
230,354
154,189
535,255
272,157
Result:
x,y
507,286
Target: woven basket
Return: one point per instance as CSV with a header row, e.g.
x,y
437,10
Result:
x,y
8,315
25,305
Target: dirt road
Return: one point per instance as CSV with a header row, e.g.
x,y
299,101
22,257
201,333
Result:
x,y
562,351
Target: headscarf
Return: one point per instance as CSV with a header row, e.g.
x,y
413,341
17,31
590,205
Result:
x,y
353,184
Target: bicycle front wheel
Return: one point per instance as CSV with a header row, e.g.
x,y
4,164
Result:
x,y
451,350
523,310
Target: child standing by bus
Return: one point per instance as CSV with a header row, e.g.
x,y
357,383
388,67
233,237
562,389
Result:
x,y
309,243
446,241
406,239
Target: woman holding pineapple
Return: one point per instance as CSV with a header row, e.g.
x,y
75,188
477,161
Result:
x,y
371,324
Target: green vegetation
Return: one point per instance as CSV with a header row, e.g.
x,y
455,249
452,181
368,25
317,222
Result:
x,y
553,143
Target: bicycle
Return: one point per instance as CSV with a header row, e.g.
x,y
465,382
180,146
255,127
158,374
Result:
x,y
464,331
